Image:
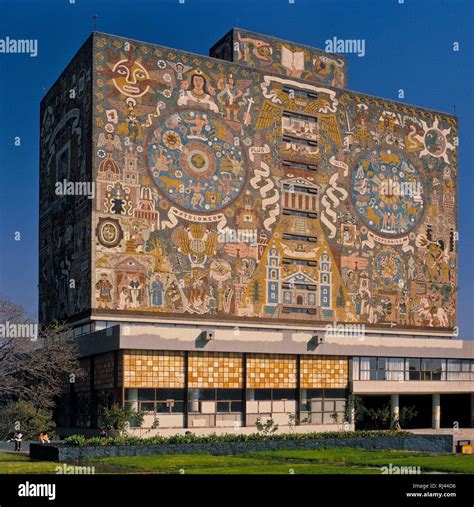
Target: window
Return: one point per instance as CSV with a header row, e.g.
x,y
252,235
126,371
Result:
x,y
297,237
155,400
323,404
224,400
299,126
271,394
296,213
413,366
398,368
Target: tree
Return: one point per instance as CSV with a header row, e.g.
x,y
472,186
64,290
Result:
x,y
266,428
120,419
23,416
35,369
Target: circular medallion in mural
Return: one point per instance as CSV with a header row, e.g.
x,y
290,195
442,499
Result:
x,y
109,233
388,268
387,192
194,161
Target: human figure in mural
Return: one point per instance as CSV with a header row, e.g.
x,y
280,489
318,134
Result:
x,y
198,95
162,164
229,95
157,289
104,287
135,293
198,123
133,127
212,301
124,299
198,198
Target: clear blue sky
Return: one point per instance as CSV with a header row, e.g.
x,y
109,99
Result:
x,y
408,46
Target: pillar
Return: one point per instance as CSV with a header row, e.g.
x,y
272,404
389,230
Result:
x,y
395,406
436,412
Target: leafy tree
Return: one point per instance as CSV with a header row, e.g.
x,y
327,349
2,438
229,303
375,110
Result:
x,y
266,428
25,417
119,418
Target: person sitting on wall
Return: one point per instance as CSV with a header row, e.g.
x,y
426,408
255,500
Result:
x,y
43,438
17,438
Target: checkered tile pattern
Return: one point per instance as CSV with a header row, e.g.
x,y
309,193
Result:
x,y
265,371
328,372
215,370
152,368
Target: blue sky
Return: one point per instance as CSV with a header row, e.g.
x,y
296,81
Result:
x,y
408,46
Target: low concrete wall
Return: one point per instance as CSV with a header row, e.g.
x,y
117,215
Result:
x,y
70,454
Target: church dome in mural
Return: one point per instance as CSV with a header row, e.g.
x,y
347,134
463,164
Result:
x,y
387,192
195,162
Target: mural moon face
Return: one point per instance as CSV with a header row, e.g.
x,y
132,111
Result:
x,y
387,192
194,161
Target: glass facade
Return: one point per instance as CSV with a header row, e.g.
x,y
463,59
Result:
x,y
412,368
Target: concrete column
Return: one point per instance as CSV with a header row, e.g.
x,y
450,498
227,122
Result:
x,y
436,412
395,406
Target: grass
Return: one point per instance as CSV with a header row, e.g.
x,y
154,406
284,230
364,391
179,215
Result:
x,y
20,464
321,461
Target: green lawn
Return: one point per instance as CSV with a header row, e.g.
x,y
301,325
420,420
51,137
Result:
x,y
322,461
20,464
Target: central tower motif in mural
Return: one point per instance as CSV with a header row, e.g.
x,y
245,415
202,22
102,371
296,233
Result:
x,y
195,161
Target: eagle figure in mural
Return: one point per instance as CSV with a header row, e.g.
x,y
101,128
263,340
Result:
x,y
272,110
197,243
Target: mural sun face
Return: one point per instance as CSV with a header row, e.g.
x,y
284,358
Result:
x,y
130,79
387,192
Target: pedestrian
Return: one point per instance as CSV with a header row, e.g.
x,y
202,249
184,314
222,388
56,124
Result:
x,y
17,438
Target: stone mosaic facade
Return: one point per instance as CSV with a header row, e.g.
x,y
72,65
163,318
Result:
x,y
282,57
229,192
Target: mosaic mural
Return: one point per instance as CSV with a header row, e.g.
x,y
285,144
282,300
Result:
x,y
282,57
229,192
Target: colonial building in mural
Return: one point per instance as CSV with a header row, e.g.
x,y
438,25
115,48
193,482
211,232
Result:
x,y
249,188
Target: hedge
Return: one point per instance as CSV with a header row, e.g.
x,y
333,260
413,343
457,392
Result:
x,y
81,440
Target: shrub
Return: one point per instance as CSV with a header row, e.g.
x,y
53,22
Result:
x,y
120,418
227,437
